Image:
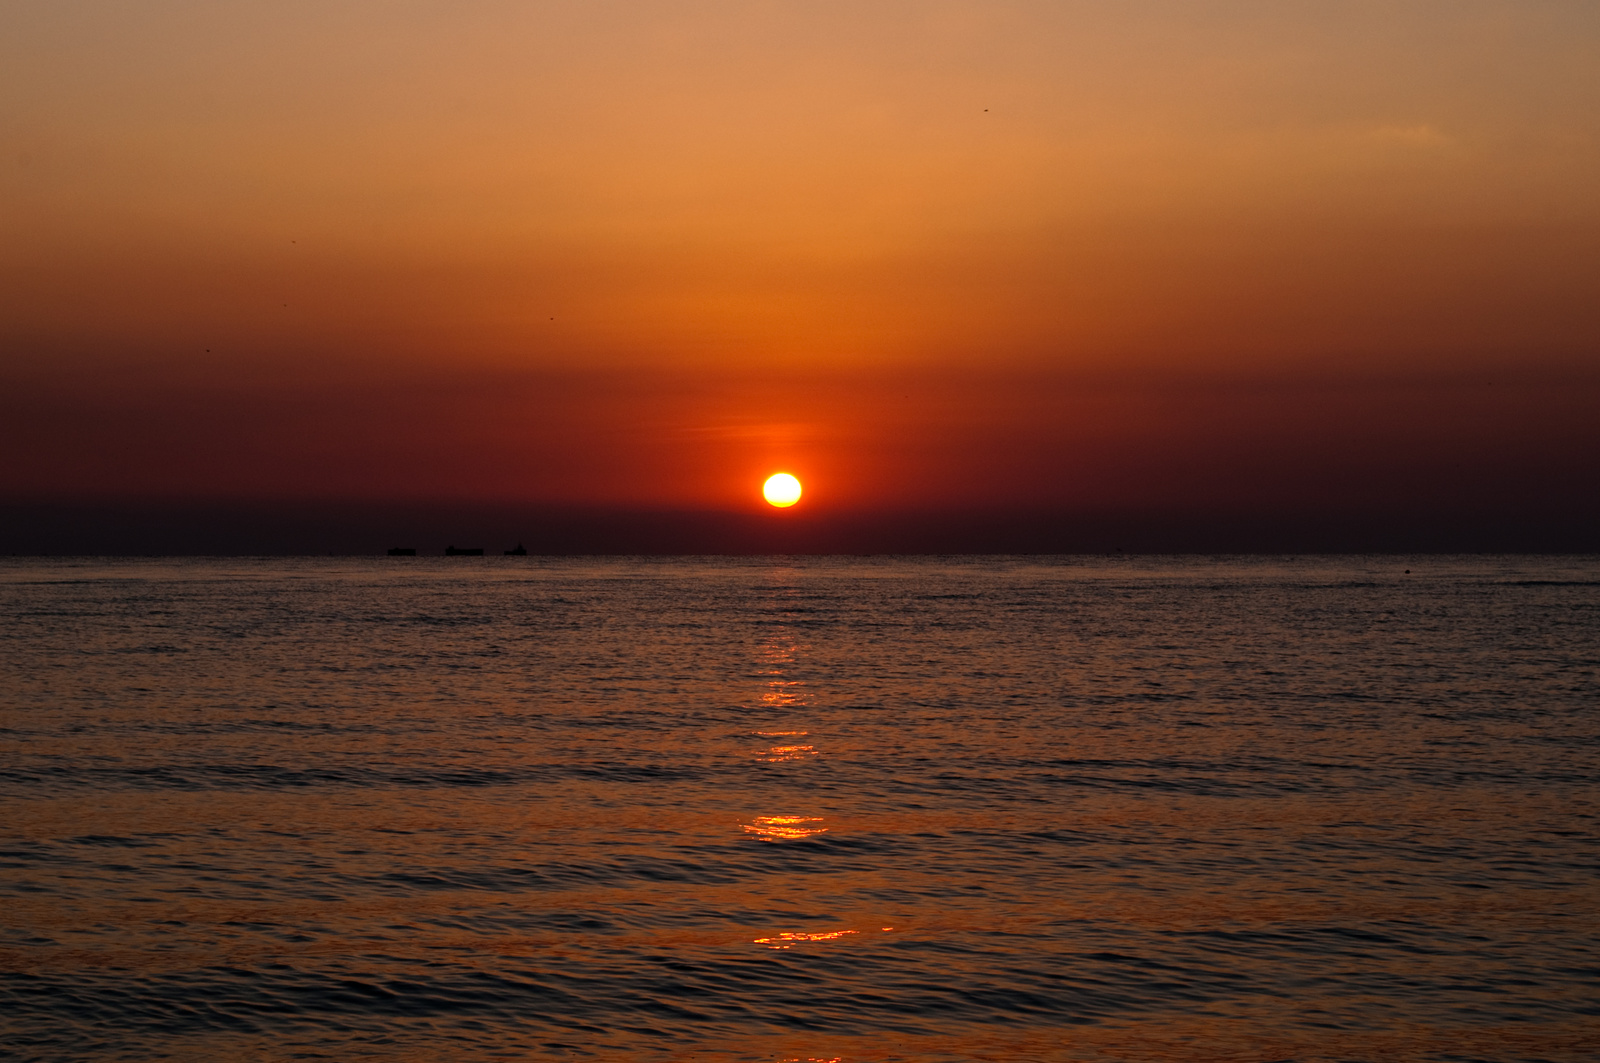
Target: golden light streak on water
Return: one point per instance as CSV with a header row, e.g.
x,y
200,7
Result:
x,y
789,939
785,828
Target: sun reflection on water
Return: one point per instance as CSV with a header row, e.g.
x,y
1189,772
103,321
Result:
x,y
781,828
785,751
783,693
789,939
781,753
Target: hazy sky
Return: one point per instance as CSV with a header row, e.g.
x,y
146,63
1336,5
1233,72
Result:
x,y
640,252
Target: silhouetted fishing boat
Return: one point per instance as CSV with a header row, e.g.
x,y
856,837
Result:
x,y
402,551
518,551
463,551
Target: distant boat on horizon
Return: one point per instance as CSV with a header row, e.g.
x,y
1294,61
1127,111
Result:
x,y
518,551
402,551
463,551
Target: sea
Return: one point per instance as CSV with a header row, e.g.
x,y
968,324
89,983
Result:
x,y
800,808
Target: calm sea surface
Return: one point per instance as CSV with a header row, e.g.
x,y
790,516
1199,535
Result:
x,y
803,809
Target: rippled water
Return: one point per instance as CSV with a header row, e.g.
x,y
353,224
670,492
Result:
x,y
427,809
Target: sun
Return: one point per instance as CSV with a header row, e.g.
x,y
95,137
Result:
x,y
782,490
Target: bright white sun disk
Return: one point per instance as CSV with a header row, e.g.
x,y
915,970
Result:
x,y
781,490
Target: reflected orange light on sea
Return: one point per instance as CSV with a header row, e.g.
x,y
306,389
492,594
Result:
x,y
789,939
778,650
1144,809
781,753
785,828
782,693
785,751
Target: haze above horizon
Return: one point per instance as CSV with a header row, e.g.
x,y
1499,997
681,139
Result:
x,y
1246,258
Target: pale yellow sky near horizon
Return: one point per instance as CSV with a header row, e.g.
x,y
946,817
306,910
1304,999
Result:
x,y
1063,185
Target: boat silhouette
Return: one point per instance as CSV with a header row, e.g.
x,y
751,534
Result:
x,y
518,551
463,551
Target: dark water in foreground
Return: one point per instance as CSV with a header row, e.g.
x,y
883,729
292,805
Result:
x,y
428,809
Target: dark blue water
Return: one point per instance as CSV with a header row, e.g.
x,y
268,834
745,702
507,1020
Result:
x,y
428,809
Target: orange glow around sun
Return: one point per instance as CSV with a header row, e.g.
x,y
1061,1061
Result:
x,y
782,490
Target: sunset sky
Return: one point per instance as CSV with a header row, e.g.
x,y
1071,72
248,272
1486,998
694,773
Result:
x,y
1153,256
